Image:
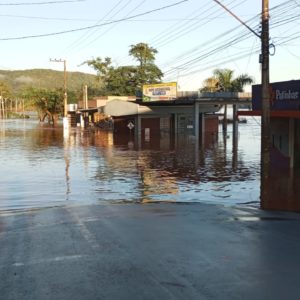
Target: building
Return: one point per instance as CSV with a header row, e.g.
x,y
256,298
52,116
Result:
x,y
284,185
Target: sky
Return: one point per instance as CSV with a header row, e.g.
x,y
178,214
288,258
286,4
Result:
x,y
192,37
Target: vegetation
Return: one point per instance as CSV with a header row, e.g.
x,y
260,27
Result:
x,y
127,80
48,79
48,103
5,90
41,90
222,80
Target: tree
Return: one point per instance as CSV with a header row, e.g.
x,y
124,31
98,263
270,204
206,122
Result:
x,y
5,95
5,90
47,103
103,67
143,53
210,84
122,81
127,80
147,71
223,80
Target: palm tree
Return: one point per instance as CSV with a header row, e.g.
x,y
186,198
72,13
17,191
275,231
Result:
x,y
222,80
210,84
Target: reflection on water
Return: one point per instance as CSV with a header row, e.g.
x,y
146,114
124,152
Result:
x,y
42,167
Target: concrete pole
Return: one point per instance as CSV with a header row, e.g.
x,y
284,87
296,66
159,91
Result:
x,y
196,121
65,90
292,142
196,132
86,97
235,125
202,130
235,134
138,131
175,129
225,120
1,108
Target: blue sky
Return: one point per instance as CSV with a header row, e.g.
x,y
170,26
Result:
x,y
192,38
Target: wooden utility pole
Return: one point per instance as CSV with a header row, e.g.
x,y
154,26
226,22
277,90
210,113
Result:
x,y
265,105
65,84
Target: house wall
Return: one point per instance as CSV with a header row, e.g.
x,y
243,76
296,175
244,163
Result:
x,y
297,144
280,135
211,124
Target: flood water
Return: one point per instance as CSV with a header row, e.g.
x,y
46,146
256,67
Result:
x,y
41,167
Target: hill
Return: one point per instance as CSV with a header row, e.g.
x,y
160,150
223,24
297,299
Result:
x,y
47,78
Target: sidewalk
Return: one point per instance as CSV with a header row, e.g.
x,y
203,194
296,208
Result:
x,y
152,251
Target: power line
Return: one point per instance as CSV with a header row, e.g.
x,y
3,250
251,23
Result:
x,y
47,18
192,61
112,26
188,27
85,36
93,26
236,17
40,3
108,29
165,20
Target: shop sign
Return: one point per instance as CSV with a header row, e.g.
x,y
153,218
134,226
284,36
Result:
x,y
284,95
160,91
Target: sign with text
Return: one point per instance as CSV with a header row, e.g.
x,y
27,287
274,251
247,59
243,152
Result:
x,y
284,95
159,91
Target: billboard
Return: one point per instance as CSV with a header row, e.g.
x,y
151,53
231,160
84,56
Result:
x,y
284,95
159,91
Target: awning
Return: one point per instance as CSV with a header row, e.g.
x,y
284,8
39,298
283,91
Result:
x,y
273,113
117,108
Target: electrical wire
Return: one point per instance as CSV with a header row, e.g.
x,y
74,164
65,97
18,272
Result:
x,y
40,3
86,35
191,63
93,26
113,25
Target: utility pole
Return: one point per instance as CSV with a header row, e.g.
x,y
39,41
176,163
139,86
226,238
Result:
x,y
65,84
85,97
265,105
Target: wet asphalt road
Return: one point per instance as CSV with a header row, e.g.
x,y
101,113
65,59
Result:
x,y
152,251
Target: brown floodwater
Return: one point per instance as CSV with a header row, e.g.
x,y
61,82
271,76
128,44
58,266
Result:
x,y
41,166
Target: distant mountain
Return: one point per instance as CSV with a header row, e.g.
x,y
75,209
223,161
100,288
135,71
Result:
x,y
46,78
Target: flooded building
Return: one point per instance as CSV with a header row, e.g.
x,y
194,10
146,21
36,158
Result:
x,y
149,121
284,187
162,111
